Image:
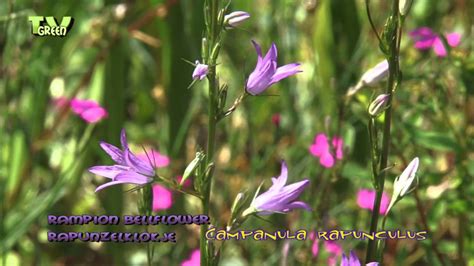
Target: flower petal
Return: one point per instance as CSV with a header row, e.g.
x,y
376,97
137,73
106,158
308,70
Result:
x,y
285,71
142,167
94,115
297,205
162,198
454,39
123,139
326,160
271,54
258,49
279,182
438,48
115,153
133,178
107,170
108,184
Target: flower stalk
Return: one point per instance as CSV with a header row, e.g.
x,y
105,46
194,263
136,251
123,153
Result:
x,y
391,40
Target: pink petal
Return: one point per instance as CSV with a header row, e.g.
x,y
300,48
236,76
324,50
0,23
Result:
x,y
366,198
187,183
162,198
94,115
78,106
326,160
195,259
320,145
338,144
157,159
333,247
454,39
60,102
439,48
315,248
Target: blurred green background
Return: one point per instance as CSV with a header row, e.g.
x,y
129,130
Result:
x,y
128,56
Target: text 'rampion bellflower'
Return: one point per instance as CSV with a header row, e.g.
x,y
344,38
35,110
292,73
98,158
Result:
x,y
128,168
266,71
353,260
235,18
279,198
425,38
200,71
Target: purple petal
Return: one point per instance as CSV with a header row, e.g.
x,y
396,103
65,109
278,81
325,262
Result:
x,y
259,80
138,165
272,54
108,184
372,264
344,260
107,170
258,49
353,259
123,139
115,153
285,71
133,178
279,182
297,205
200,71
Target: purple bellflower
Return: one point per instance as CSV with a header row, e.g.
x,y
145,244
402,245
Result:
x,y
128,168
266,71
280,198
200,71
353,260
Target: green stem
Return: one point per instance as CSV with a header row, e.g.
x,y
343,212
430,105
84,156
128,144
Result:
x,y
212,35
391,86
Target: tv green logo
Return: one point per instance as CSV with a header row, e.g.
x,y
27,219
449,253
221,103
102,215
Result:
x,y
48,26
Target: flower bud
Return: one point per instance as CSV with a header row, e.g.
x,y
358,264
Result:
x,y
378,105
404,182
235,18
200,71
375,74
404,6
371,77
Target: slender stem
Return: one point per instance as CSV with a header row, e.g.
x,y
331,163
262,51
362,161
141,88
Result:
x,y
212,36
391,86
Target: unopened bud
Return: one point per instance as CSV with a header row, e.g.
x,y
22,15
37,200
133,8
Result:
x,y
378,105
235,18
404,6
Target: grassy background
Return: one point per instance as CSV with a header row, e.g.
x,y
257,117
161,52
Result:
x,y
132,64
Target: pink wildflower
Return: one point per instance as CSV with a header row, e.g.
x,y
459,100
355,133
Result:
x,y
425,39
321,148
366,198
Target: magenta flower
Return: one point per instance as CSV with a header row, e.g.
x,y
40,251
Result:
x,y
200,71
162,198
334,250
194,260
425,39
353,260
321,149
266,71
61,102
157,159
366,198
235,18
128,168
279,198
276,118
187,183
88,110
315,248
